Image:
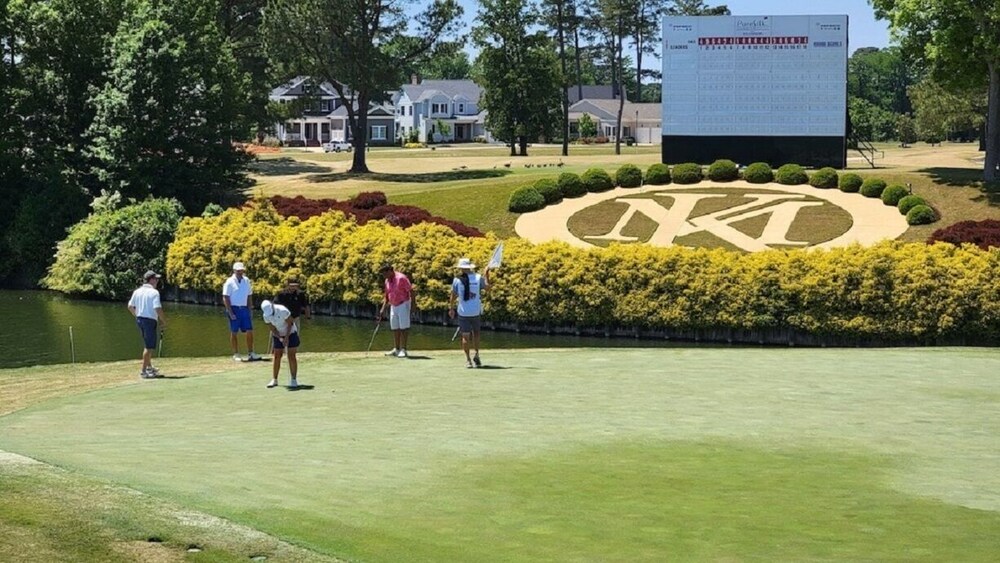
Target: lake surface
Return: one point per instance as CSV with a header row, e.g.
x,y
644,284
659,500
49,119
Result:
x,y
36,330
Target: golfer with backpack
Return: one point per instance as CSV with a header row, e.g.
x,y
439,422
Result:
x,y
466,303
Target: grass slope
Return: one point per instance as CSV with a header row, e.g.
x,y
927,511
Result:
x,y
701,454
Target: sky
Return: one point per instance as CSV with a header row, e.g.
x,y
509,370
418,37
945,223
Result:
x,y
864,29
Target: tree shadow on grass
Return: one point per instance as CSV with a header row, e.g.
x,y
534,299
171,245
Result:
x,y
969,178
415,178
286,167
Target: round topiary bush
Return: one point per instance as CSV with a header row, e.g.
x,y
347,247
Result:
x,y
791,175
687,173
759,173
570,185
658,174
628,176
909,202
723,171
526,199
549,190
824,179
850,183
597,180
873,187
894,193
921,215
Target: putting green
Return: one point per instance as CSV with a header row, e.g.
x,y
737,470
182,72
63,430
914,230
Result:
x,y
568,455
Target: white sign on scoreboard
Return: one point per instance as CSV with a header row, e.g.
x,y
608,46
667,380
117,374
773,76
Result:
x,y
768,76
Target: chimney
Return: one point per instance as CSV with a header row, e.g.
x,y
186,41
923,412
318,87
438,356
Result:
x,y
414,79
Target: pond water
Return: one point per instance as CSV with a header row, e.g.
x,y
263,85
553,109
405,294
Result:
x,y
37,331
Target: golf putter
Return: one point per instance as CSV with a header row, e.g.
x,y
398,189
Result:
x,y
454,336
372,341
159,349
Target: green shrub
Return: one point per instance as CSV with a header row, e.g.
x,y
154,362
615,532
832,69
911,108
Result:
x,y
658,174
759,173
824,179
686,173
873,187
723,171
570,185
921,215
525,200
850,183
212,209
791,175
597,180
106,254
549,190
628,176
892,194
909,202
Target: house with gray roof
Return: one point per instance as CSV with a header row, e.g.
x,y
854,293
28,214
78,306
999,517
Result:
x,y
441,111
324,116
641,121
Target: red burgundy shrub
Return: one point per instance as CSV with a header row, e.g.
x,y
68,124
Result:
x,y
357,208
368,200
983,234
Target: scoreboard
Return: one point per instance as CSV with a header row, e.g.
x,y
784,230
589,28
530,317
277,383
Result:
x,y
771,88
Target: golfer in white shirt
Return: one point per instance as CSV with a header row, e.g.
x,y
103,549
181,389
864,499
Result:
x,y
285,337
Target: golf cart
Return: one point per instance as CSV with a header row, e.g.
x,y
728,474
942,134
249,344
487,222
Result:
x,y
337,146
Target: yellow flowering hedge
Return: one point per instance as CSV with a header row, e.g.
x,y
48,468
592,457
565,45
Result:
x,y
889,292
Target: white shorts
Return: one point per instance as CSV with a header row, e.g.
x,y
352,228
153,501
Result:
x,y
399,316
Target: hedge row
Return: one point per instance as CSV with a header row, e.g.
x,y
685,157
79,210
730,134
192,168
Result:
x,y
533,198
889,292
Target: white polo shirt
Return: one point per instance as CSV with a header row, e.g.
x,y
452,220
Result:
x,y
238,291
279,320
146,301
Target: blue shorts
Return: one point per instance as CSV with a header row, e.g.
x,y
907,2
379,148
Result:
x,y
147,328
469,324
293,341
242,322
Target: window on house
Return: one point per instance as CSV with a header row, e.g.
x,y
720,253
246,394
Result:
x,y
324,105
409,110
378,132
293,127
461,108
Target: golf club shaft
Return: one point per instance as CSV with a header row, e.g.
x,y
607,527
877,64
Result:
x,y
372,341
454,336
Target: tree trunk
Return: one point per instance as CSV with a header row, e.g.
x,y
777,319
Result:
x,y
359,126
638,68
991,165
560,19
523,144
619,63
513,146
576,51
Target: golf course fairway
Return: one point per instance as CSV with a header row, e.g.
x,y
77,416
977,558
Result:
x,y
701,454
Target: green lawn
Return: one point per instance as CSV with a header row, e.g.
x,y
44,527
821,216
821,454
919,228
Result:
x,y
641,455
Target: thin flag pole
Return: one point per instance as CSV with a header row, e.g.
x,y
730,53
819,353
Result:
x,y
72,346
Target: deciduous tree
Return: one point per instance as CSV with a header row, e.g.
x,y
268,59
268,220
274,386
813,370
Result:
x,y
958,40
518,70
363,48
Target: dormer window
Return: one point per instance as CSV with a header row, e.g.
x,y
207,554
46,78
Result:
x,y
461,108
324,105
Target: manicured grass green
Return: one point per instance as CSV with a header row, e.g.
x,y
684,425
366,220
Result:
x,y
689,454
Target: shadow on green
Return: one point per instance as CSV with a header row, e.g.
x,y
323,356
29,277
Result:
x,y
285,166
657,501
417,178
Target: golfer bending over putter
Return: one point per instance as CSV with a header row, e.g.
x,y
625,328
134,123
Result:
x,y
285,336
467,290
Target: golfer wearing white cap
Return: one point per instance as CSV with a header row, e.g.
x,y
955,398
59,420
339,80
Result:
x,y
285,336
145,307
237,295
466,291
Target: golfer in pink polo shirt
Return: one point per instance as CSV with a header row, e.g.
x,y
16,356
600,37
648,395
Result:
x,y
399,299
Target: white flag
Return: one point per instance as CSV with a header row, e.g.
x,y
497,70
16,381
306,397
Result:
x,y
497,257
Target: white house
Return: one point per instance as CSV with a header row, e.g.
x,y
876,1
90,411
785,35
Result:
x,y
325,118
641,121
441,111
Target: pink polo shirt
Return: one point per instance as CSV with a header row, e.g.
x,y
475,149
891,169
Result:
x,y
397,289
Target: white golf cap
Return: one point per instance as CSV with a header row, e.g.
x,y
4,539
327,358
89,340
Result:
x,y
267,308
466,264
238,267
